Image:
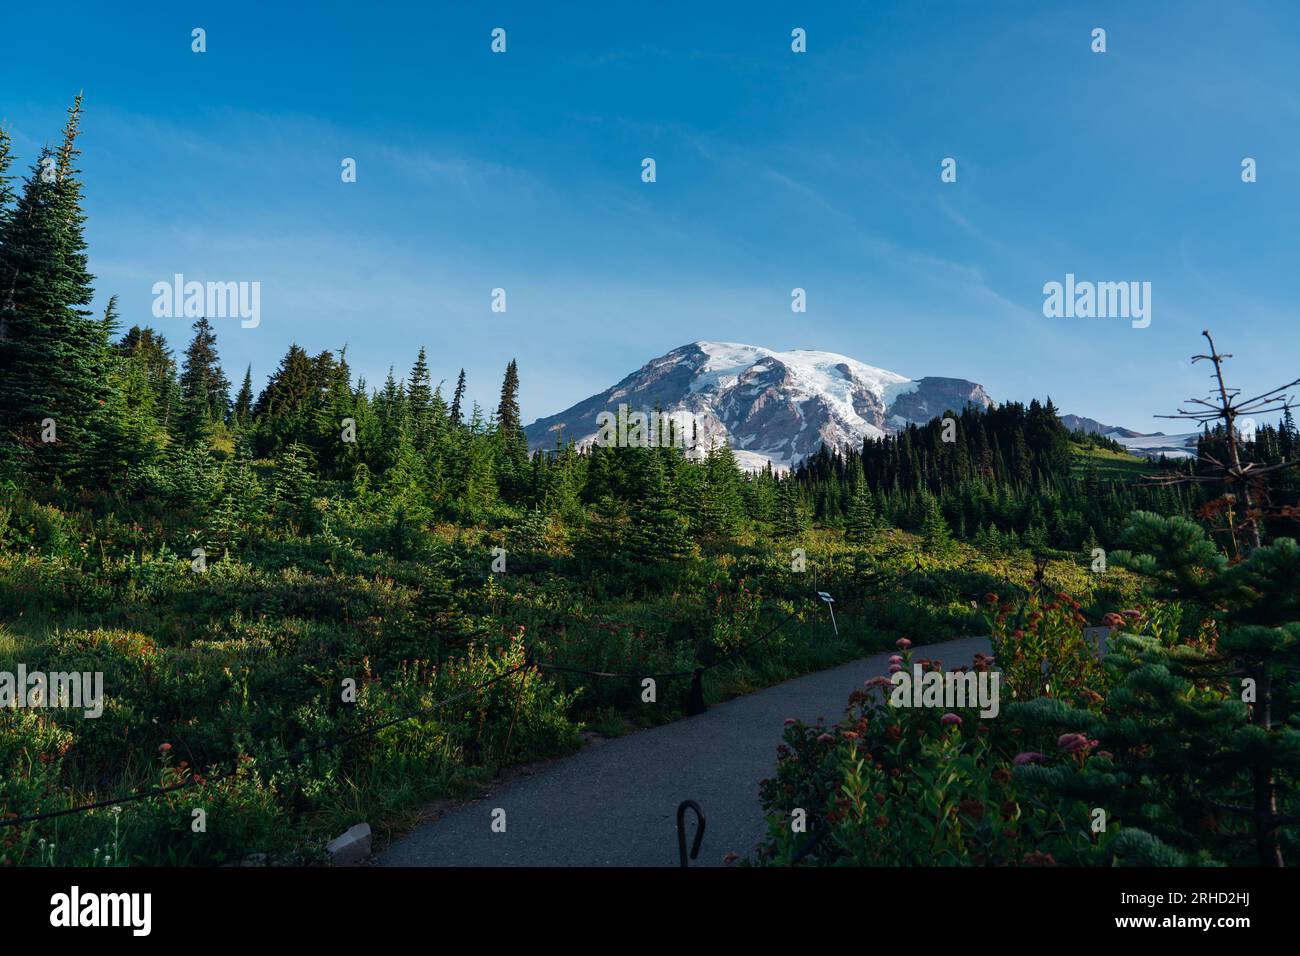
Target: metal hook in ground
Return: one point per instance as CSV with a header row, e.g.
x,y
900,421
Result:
x,y
681,830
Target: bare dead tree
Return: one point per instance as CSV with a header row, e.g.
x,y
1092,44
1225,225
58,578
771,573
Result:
x,y
1246,482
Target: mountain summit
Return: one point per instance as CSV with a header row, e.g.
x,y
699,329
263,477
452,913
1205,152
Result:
x,y
776,407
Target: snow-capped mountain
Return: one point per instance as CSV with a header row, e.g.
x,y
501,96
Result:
x,y
1093,427
1152,445
771,406
1159,444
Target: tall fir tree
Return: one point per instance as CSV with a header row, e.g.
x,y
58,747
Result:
x,y
860,522
125,433
512,454
205,390
52,369
456,415
657,530
792,518
243,406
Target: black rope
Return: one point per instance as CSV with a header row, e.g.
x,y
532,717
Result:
x,y
738,649
294,757
810,844
582,670
741,648
297,756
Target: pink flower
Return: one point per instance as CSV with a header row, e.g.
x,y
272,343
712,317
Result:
x,y
903,643
896,659
1032,756
163,748
895,668
730,858
1075,743
950,720
826,739
880,682
790,721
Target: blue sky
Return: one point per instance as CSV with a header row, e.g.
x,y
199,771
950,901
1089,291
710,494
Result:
x,y
775,170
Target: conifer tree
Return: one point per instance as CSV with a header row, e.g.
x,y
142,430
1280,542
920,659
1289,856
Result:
x,y
860,522
7,193
125,435
294,486
205,390
512,455
52,364
934,529
657,529
720,507
791,519
147,349
455,414
243,406
419,403
1202,729
284,412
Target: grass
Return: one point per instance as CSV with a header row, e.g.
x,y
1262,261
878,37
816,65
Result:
x,y
248,658
1110,465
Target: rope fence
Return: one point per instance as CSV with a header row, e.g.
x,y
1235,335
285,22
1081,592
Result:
x,y
696,705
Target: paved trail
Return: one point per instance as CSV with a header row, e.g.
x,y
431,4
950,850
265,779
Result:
x,y
614,803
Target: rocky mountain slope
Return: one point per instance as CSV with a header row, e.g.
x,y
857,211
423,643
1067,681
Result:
x,y
771,406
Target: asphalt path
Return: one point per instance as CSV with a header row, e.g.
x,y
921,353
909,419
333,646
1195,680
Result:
x,y
614,803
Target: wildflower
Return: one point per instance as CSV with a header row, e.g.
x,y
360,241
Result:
x,y
896,659
1002,775
990,598
895,668
790,721
903,643
826,739
950,720
731,858
163,748
1031,756
1113,620
1075,743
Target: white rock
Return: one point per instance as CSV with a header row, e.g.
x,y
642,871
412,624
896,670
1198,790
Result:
x,y
350,848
